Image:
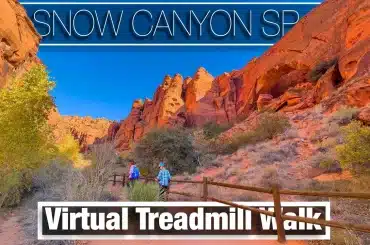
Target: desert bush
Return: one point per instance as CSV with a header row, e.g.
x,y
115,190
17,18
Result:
x,y
326,160
172,145
331,130
144,192
278,154
268,125
25,139
63,182
320,69
344,115
88,183
356,147
212,130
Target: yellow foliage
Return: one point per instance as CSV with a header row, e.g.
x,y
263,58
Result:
x,y
69,150
25,138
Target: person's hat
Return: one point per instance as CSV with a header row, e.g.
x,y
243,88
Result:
x,y
161,164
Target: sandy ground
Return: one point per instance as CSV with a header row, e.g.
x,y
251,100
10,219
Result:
x,y
10,230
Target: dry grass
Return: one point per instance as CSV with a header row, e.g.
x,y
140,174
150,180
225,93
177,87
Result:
x,y
343,116
348,210
269,152
268,126
62,182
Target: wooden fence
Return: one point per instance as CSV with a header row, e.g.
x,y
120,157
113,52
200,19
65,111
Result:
x,y
276,193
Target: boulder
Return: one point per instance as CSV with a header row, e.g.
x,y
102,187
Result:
x,y
263,100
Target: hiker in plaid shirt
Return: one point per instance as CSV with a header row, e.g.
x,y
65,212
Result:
x,y
164,178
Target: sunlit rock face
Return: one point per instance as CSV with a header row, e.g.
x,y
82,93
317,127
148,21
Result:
x,y
19,40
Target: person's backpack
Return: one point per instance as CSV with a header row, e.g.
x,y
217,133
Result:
x,y
135,173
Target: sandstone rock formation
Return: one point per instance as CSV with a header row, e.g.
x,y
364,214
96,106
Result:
x,y
335,32
85,130
279,80
18,40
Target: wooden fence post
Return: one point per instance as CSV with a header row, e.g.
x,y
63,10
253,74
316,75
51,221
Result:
x,y
123,180
114,179
205,189
277,211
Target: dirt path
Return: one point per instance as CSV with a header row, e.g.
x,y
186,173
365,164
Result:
x,y
10,230
11,233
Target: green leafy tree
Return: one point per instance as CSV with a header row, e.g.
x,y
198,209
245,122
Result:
x,y
25,138
172,145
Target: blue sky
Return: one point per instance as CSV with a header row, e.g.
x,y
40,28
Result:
x,y
103,82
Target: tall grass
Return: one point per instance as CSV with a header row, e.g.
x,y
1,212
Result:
x,y
144,192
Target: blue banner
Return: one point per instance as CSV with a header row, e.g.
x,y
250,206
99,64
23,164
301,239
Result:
x,y
164,23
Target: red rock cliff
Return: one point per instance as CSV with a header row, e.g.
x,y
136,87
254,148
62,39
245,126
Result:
x,y
18,40
336,32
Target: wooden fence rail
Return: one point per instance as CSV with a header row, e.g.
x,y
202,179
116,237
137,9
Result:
x,y
276,193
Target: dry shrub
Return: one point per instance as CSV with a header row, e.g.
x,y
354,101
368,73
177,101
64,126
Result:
x,y
63,182
325,160
355,211
268,152
327,130
212,130
205,149
268,125
343,116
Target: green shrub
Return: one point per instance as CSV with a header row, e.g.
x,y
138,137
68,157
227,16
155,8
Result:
x,y
268,125
320,69
144,192
172,145
327,163
212,130
356,148
25,139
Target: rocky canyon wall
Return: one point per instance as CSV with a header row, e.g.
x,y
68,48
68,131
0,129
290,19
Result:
x,y
19,40
336,32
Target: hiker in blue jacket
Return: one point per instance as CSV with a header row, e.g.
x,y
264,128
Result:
x,y
163,178
134,173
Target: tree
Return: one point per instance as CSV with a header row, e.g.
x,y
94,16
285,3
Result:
x,y
25,138
172,145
